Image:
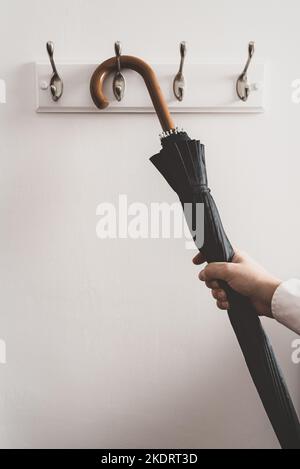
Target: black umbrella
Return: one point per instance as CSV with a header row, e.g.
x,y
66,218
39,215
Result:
x,y
181,161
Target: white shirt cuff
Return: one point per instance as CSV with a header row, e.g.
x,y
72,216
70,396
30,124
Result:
x,y
286,304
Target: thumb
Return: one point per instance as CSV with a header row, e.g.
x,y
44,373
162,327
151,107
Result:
x,y
216,271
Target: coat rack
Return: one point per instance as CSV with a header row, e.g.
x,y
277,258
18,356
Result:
x,y
191,88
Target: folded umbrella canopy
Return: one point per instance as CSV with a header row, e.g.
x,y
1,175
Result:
x,y
181,161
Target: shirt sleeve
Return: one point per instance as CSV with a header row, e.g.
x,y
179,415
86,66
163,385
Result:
x,y
286,304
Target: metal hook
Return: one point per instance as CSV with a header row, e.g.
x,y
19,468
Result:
x,y
179,82
119,80
242,85
56,83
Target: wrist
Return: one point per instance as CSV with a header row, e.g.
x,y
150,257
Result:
x,y
269,289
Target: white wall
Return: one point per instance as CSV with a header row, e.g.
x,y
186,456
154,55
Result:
x,y
116,343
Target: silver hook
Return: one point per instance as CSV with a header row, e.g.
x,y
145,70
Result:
x,y
56,83
179,82
242,85
119,80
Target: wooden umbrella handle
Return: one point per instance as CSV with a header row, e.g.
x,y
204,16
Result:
x,y
150,78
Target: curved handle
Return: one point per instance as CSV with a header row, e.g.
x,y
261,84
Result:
x,y
151,81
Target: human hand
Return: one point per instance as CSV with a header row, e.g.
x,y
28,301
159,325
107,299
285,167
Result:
x,y
244,276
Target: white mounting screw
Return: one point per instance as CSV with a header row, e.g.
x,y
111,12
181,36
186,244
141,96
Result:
x,y
44,85
255,86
